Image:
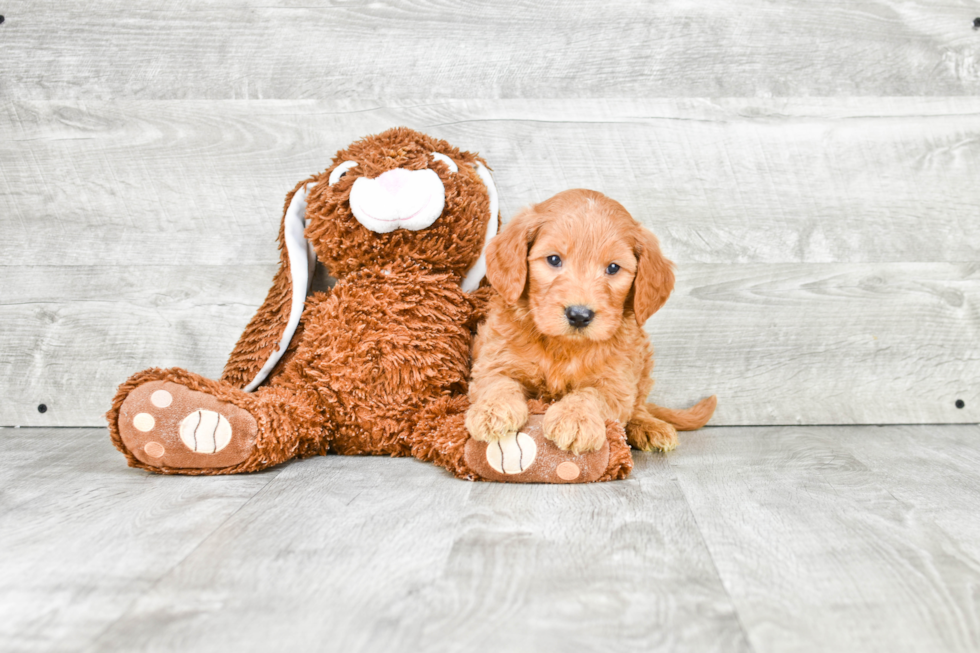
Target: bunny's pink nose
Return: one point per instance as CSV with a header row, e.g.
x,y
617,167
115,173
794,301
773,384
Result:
x,y
393,180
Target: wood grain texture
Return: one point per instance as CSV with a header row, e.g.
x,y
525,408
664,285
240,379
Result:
x,y
834,539
72,334
789,343
826,247
823,343
726,181
615,566
743,539
372,554
313,563
83,536
425,49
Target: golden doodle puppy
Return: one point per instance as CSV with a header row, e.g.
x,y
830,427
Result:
x,y
576,277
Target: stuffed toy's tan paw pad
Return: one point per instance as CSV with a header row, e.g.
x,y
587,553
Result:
x,y
164,424
529,457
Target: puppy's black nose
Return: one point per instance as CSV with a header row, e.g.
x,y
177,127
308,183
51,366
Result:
x,y
579,316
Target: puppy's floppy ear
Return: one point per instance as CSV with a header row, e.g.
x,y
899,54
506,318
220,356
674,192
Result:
x,y
654,279
507,255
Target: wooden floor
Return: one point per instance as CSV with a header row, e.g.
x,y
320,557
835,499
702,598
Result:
x,y
855,538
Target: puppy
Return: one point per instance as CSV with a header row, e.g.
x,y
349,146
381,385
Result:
x,y
575,278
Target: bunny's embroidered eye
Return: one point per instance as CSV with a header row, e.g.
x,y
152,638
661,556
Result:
x,y
612,269
341,170
554,261
445,159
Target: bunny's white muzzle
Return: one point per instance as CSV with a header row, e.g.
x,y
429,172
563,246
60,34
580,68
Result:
x,y
398,199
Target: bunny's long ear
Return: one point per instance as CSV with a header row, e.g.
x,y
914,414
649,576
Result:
x,y
267,336
476,273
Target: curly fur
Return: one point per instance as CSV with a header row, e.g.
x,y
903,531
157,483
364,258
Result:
x,y
528,347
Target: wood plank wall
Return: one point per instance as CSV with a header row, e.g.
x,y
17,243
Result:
x,y
812,169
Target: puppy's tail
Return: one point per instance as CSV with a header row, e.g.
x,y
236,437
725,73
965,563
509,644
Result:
x,y
689,419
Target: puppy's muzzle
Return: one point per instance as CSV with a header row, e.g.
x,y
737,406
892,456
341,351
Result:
x,y
579,316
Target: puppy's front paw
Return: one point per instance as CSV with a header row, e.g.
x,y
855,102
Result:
x,y
575,426
492,419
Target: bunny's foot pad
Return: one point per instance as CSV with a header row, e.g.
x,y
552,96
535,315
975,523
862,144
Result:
x,y
164,424
529,457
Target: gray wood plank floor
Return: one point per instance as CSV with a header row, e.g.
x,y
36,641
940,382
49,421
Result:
x,y
743,539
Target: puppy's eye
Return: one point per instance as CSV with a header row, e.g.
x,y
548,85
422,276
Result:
x,y
612,269
554,261
341,170
445,159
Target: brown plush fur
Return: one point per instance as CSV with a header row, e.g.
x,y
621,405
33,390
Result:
x,y
379,364
528,348
453,243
